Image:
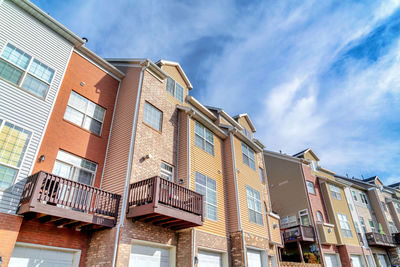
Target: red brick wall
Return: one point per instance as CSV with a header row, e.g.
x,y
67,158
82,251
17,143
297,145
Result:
x,y
345,251
9,228
48,234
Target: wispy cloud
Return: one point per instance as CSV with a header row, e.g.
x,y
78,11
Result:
x,y
318,74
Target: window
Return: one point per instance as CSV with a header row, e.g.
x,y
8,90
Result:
x,y
372,225
207,187
18,68
364,198
288,221
175,89
362,222
345,225
335,192
384,206
397,207
254,205
314,165
304,219
13,143
353,193
249,157
204,138
152,116
74,168
392,228
84,113
167,171
320,218
310,187
262,175
246,133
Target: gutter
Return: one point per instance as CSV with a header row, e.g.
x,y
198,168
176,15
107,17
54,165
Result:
x,y
129,169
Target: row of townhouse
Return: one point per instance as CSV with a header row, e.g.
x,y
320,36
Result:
x,y
113,163
331,219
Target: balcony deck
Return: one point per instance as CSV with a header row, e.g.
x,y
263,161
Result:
x,y
50,198
164,203
376,239
298,233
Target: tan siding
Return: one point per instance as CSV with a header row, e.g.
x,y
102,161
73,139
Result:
x,y
243,122
223,121
173,72
210,166
275,233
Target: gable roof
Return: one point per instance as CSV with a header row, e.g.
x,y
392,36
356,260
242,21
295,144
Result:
x,y
176,64
226,116
372,179
246,116
395,185
301,153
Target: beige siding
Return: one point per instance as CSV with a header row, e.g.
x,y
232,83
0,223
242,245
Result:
x,y
173,72
243,122
275,233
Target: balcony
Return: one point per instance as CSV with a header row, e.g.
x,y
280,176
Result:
x,y
50,198
164,203
376,239
327,233
299,233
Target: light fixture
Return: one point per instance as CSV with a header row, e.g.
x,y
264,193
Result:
x,y
82,83
181,181
42,158
196,260
329,230
274,225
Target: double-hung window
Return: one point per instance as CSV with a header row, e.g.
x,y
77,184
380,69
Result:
x,y
13,144
345,225
320,218
364,198
204,138
362,222
175,89
310,187
262,179
74,168
246,133
254,205
207,187
83,112
288,221
335,192
354,194
167,171
21,69
392,228
248,155
152,116
372,225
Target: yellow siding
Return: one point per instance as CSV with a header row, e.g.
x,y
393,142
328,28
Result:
x,y
327,234
212,167
223,121
246,176
275,233
243,122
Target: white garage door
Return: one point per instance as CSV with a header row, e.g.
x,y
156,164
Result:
x,y
148,256
382,260
254,258
356,260
40,257
331,260
209,259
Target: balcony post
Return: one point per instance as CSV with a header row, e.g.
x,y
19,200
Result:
x,y
300,251
156,191
202,207
36,189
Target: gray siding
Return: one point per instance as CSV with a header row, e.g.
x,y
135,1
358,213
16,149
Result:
x,y
18,106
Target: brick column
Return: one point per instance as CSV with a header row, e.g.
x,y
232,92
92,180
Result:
x,y
184,252
9,229
237,249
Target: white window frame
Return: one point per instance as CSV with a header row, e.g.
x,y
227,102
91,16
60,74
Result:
x,y
247,155
262,178
320,216
308,183
255,201
314,165
206,198
288,221
18,169
373,227
345,225
204,138
354,195
166,173
174,94
364,198
155,108
85,114
335,192
75,168
26,71
246,133
392,228
362,223
304,213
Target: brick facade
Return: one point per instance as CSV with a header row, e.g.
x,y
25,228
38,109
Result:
x,y
184,249
9,228
298,264
237,249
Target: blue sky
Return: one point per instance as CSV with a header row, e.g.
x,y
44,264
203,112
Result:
x,y
319,74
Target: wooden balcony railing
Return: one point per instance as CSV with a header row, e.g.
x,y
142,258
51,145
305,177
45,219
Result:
x,y
376,239
298,233
165,203
67,202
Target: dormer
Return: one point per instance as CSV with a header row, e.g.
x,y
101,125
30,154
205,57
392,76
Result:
x,y
309,155
177,83
247,124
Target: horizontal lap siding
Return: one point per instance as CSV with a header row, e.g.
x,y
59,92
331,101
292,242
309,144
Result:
x,y
210,166
18,106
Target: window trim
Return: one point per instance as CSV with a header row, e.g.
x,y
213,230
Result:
x,y
322,216
249,209
172,173
26,71
23,157
204,138
85,115
339,215
262,177
244,155
205,196
162,117
174,93
313,186
335,194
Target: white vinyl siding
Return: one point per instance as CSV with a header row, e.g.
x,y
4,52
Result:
x,y
345,225
204,138
13,143
174,89
152,116
19,68
18,106
85,113
335,192
248,155
207,187
254,205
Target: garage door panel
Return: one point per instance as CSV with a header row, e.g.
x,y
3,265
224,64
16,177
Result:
x,y
209,259
331,260
356,260
148,256
254,258
40,257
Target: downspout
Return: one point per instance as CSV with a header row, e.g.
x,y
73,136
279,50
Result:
x,y
193,246
177,150
129,167
190,114
312,216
